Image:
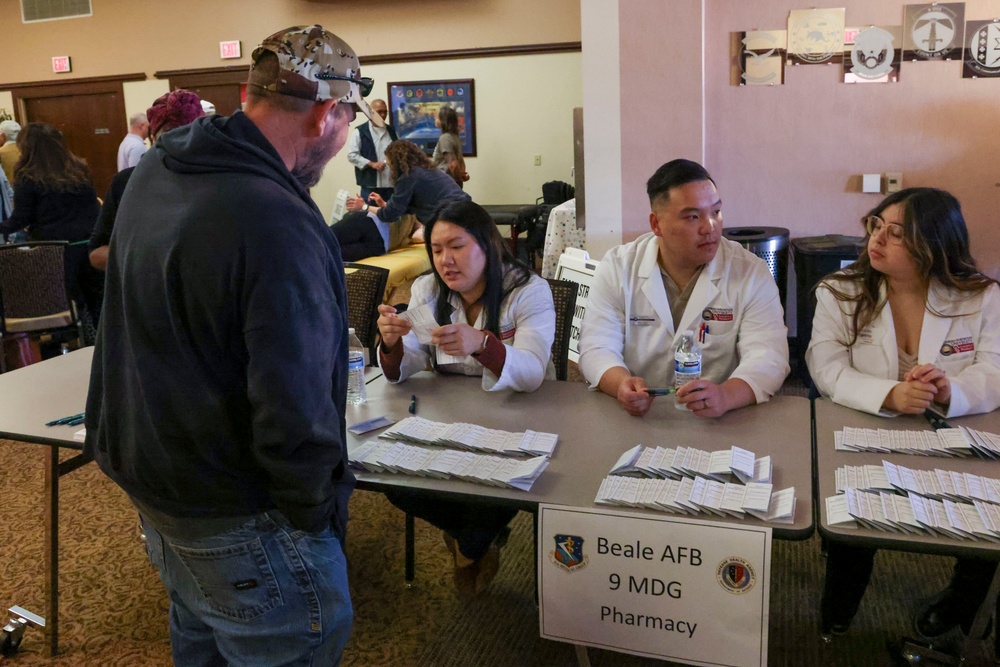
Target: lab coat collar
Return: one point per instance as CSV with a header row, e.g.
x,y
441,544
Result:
x,y
935,328
652,283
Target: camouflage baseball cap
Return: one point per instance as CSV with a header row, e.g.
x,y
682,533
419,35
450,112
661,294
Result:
x,y
315,64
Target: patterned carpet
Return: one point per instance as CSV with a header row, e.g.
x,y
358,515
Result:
x,y
114,609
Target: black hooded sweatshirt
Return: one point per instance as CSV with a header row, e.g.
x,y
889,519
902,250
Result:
x,y
220,371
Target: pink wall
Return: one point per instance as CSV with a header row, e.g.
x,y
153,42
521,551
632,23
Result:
x,y
789,155
661,95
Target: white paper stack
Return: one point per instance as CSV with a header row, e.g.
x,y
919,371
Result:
x,y
699,495
959,441
472,437
726,465
381,456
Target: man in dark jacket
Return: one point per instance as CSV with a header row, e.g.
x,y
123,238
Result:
x,y
220,373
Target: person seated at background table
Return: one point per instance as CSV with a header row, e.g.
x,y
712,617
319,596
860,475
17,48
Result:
x,y
419,189
683,276
169,111
911,325
55,200
496,319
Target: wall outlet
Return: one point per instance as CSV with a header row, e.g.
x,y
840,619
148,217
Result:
x,y
538,160
893,181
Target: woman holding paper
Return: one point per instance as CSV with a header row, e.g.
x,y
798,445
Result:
x,y
481,312
911,325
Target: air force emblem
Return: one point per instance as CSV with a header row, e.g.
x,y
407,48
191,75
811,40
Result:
x,y
568,553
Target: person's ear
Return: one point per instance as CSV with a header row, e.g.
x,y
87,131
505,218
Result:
x,y
319,115
654,224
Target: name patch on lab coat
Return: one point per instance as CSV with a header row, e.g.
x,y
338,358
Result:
x,y
507,331
717,314
642,320
956,346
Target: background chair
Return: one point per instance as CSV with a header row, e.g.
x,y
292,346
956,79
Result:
x,y
564,295
553,194
365,289
33,295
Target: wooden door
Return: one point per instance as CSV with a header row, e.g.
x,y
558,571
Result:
x,y
93,125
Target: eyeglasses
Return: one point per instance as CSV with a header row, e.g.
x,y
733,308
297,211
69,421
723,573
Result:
x,y
875,224
366,84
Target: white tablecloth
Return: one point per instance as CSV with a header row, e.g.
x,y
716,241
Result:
x,y
560,233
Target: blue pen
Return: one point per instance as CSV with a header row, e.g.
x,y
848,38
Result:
x,y
65,420
413,404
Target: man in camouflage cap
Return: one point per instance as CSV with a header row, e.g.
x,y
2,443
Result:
x,y
219,380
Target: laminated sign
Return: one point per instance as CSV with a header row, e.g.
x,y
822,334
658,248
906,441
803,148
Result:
x,y
689,591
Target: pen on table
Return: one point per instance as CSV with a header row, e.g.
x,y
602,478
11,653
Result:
x,y
413,404
66,421
661,391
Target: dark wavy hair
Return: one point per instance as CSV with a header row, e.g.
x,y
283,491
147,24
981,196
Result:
x,y
503,272
449,120
47,161
403,157
935,235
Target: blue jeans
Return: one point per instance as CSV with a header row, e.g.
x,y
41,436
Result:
x,y
262,595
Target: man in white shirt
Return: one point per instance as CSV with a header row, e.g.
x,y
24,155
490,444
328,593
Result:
x,y
366,151
683,276
133,146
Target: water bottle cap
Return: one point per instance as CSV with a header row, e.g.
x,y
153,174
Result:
x,y
350,331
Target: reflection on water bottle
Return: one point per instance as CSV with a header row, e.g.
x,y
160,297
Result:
x,y
356,394
687,362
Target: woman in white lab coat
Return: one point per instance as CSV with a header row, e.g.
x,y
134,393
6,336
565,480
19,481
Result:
x,y
911,325
481,312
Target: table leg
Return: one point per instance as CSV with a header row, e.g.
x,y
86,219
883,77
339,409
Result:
x,y
982,618
50,557
410,550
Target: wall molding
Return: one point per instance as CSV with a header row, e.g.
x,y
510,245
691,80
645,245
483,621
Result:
x,y
113,78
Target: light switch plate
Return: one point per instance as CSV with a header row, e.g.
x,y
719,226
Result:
x,y
871,183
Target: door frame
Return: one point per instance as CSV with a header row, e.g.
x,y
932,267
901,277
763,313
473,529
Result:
x,y
94,85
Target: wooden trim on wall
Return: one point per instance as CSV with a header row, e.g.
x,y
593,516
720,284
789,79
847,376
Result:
x,y
230,69
484,52
114,78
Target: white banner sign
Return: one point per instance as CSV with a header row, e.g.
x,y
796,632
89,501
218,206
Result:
x,y
576,266
688,591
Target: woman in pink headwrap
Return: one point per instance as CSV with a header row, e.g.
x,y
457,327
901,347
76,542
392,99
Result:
x,y
169,111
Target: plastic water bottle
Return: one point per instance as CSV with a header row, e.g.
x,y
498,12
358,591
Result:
x,y
687,362
356,394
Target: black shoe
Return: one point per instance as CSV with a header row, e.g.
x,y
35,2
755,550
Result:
x,y
945,612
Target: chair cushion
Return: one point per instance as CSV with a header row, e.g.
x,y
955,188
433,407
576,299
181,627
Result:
x,y
28,324
404,265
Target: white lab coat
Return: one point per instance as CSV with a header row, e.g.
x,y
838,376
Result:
x,y
965,344
527,327
628,321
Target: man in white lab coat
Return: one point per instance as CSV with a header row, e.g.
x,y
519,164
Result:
x,y
683,276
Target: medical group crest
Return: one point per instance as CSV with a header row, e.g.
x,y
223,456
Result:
x,y
568,554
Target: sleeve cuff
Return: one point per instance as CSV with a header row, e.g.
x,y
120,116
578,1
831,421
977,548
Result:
x,y
494,356
390,362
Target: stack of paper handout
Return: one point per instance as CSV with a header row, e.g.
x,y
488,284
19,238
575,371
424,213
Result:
x,y
960,441
473,437
725,465
689,495
939,502
380,456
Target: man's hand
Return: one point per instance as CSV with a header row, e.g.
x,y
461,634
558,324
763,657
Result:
x,y
633,397
458,340
377,166
355,203
704,398
391,327
932,374
912,397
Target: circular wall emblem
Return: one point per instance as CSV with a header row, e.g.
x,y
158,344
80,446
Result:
x,y
984,50
736,575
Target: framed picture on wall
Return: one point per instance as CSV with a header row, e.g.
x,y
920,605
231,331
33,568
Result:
x,y
413,110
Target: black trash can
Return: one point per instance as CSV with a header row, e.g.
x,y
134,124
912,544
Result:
x,y
771,245
815,257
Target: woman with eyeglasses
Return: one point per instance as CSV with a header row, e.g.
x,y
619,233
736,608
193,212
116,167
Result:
x,y
911,325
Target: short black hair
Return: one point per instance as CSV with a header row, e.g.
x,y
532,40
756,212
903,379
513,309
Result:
x,y
673,174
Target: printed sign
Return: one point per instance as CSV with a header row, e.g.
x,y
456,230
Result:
x,y
230,49
61,64
688,591
576,266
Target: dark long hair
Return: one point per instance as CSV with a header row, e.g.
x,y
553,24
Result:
x,y
935,235
503,272
47,161
449,120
